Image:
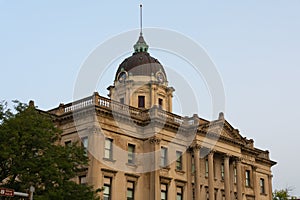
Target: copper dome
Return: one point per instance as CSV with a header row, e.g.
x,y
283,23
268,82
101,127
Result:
x,y
140,64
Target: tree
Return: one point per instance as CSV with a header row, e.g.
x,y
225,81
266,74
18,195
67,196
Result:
x,y
30,155
283,194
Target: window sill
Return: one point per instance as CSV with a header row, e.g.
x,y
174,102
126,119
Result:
x,y
109,160
180,171
263,194
166,168
131,165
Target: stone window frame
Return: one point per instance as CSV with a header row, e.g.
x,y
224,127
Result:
x,y
134,179
108,173
262,186
164,157
110,149
165,181
141,101
180,184
85,145
247,177
68,142
179,161
133,162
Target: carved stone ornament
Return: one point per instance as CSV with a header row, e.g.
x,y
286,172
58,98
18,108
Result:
x,y
154,140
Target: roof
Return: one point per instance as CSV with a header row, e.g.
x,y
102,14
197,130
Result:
x,y
140,63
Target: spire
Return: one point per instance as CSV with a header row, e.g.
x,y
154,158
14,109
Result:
x,y
141,19
141,45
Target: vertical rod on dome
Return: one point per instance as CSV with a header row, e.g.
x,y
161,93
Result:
x,y
141,19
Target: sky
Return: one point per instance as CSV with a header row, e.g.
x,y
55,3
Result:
x,y
254,44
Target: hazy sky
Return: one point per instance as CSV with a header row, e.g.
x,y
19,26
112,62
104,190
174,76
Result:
x,y
254,44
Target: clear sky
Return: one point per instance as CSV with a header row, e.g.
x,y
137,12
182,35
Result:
x,y
254,44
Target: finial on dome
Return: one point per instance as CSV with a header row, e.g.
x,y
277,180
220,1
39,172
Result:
x,y
141,45
141,19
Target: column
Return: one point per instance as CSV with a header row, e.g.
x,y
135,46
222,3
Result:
x,y
189,191
255,181
154,175
197,171
227,177
211,187
239,178
270,186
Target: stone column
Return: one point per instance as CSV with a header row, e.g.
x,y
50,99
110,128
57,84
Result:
x,y
154,175
211,187
255,186
189,187
197,171
239,179
227,177
270,186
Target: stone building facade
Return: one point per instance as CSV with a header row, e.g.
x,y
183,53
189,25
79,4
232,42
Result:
x,y
139,149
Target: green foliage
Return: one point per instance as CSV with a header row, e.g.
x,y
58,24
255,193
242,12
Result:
x,y
283,194
29,155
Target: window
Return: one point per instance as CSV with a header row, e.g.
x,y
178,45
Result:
x,y
131,151
82,180
108,148
160,103
163,156
206,168
193,163
107,188
262,186
178,160
247,174
164,191
179,193
141,101
222,171
130,190
122,100
68,143
85,142
234,175
193,191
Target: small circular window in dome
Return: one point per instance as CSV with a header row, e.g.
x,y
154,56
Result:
x,y
122,77
160,77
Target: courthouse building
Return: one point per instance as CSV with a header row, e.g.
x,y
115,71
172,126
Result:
x,y
139,149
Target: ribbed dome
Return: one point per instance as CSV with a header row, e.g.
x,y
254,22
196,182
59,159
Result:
x,y
140,63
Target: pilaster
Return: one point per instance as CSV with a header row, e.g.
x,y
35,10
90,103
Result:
x,y
227,177
211,187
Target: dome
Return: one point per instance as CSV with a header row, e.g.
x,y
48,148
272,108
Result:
x,y
140,63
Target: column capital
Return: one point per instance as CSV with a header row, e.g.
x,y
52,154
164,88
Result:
x,y
237,159
212,151
254,167
195,147
270,176
154,140
227,155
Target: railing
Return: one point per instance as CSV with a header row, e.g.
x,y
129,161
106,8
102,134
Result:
x,y
78,104
117,107
170,117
